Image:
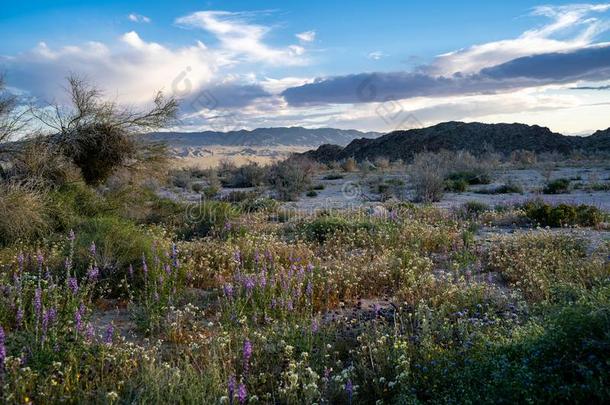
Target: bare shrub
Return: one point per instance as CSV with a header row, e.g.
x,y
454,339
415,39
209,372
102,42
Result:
x,y
24,214
250,175
349,165
291,177
427,174
382,163
523,158
98,135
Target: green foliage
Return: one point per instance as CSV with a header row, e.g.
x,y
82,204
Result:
x,y
291,177
563,214
312,193
559,186
324,226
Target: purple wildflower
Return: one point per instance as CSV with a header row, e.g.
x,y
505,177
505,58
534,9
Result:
x,y
231,388
175,256
93,273
315,326
2,348
19,316
237,256
349,389
46,320
228,290
20,260
90,332
242,394
71,236
109,335
249,284
144,266
247,350
130,271
73,285
78,324
168,270
309,289
38,300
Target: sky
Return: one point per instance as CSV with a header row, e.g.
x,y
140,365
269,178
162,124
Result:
x,y
379,66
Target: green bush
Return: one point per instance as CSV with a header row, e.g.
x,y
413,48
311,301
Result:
x,y
324,226
471,177
559,186
291,177
563,214
456,186
333,176
312,193
119,243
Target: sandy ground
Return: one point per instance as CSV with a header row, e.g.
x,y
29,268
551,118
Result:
x,y
211,156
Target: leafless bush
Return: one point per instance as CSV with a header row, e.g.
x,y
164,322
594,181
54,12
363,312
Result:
x,y
291,177
523,158
250,175
427,174
98,135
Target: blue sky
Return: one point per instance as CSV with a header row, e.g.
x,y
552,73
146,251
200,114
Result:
x,y
352,64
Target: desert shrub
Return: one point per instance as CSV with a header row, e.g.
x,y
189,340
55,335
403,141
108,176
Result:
x,y
41,161
181,178
291,177
563,214
473,209
456,185
259,204
427,176
324,226
312,193
24,213
205,218
333,176
510,187
118,242
241,195
382,163
538,263
471,177
349,165
250,175
319,187
73,203
523,158
559,186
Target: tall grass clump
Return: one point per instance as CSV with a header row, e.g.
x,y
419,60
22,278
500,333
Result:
x,y
24,213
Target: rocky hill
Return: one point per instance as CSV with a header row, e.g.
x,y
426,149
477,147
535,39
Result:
x,y
262,137
474,137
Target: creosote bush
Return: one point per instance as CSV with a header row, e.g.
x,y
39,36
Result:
x,y
291,177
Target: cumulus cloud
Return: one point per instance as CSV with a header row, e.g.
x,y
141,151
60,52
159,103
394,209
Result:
x,y
138,18
243,39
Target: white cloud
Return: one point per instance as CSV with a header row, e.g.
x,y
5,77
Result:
x,y
552,37
129,70
376,55
138,18
307,36
243,39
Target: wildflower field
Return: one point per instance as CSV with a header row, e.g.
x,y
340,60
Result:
x,y
333,307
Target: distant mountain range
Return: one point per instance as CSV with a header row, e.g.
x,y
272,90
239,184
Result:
x,y
262,137
474,137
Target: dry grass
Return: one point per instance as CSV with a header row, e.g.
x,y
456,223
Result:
x,y
24,213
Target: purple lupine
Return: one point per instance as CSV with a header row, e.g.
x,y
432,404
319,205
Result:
x,y
93,273
78,320
144,266
237,256
46,321
130,271
109,334
310,268
349,389
262,279
175,256
249,284
71,236
73,285
2,348
20,260
90,332
247,350
315,326
38,301
168,270
309,289
228,290
242,394
19,316
231,388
